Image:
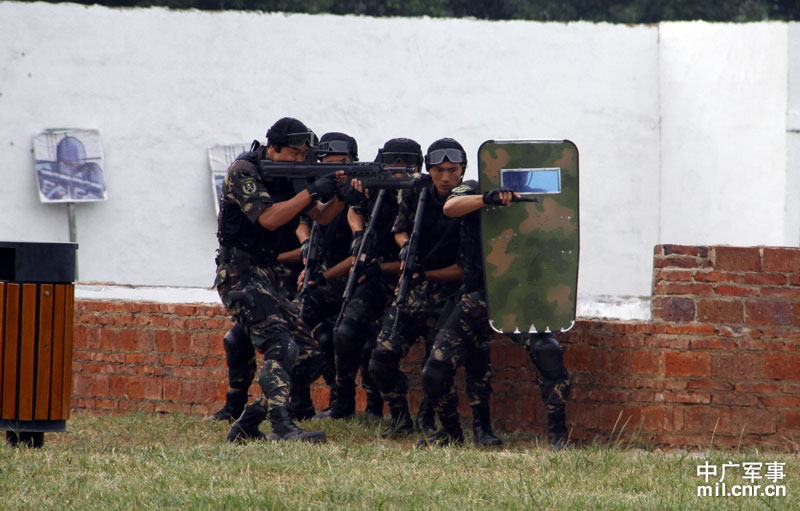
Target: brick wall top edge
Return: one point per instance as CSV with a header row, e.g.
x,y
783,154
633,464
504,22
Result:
x,y
664,248
692,250
148,306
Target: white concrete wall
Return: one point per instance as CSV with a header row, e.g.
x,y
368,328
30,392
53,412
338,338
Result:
x,y
792,227
723,133
162,86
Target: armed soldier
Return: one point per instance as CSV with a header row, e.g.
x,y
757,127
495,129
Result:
x,y
461,338
355,334
467,329
321,284
256,213
430,276
240,356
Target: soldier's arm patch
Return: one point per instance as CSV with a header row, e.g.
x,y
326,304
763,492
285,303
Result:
x,y
249,186
465,188
247,192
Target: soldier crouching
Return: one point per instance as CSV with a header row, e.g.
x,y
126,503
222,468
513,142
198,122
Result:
x,y
256,212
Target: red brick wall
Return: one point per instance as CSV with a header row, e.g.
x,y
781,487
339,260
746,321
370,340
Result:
x,y
721,357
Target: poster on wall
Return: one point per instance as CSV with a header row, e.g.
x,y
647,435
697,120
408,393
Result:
x,y
220,158
69,165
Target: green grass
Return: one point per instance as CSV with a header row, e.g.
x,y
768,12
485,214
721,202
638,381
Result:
x,y
144,461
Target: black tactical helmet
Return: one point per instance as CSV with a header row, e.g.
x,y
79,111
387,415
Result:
x,y
337,143
445,149
404,150
289,131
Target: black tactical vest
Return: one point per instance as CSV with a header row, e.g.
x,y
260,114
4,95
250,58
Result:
x,y
234,229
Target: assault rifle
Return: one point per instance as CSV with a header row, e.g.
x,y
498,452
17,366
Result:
x,y
371,174
363,256
313,264
409,263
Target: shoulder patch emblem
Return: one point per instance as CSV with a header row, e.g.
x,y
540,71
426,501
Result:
x,y
249,186
462,188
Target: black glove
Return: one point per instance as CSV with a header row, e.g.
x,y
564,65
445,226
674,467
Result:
x,y
318,279
355,244
493,195
323,189
304,250
348,194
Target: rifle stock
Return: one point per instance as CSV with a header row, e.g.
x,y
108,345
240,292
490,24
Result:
x,y
409,262
362,256
312,264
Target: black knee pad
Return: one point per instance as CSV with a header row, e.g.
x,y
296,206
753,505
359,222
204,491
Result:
x,y
383,367
324,337
437,378
547,354
238,348
349,337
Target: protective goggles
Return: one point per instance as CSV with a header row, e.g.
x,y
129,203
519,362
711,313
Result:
x,y
333,147
298,140
406,159
437,156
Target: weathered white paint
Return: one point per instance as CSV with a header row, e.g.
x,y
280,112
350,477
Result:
x,y
162,86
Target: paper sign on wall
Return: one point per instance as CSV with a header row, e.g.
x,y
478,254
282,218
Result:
x,y
69,165
220,158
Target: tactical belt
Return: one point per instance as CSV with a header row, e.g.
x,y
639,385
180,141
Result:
x,y
243,258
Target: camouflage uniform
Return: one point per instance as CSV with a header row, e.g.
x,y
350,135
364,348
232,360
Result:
x,y
250,287
240,356
466,334
463,340
546,354
437,249
355,338
321,305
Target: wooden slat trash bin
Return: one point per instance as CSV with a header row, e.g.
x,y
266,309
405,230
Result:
x,y
37,302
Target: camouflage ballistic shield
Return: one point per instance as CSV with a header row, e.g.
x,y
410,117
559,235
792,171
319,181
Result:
x,y
530,249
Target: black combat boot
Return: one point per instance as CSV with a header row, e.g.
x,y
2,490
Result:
x,y
449,434
556,428
374,404
343,406
301,406
482,427
425,422
234,406
284,428
401,424
246,427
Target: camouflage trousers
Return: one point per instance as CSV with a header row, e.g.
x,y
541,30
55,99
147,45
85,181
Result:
x,y
400,330
241,356
463,340
553,377
362,319
321,306
254,297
